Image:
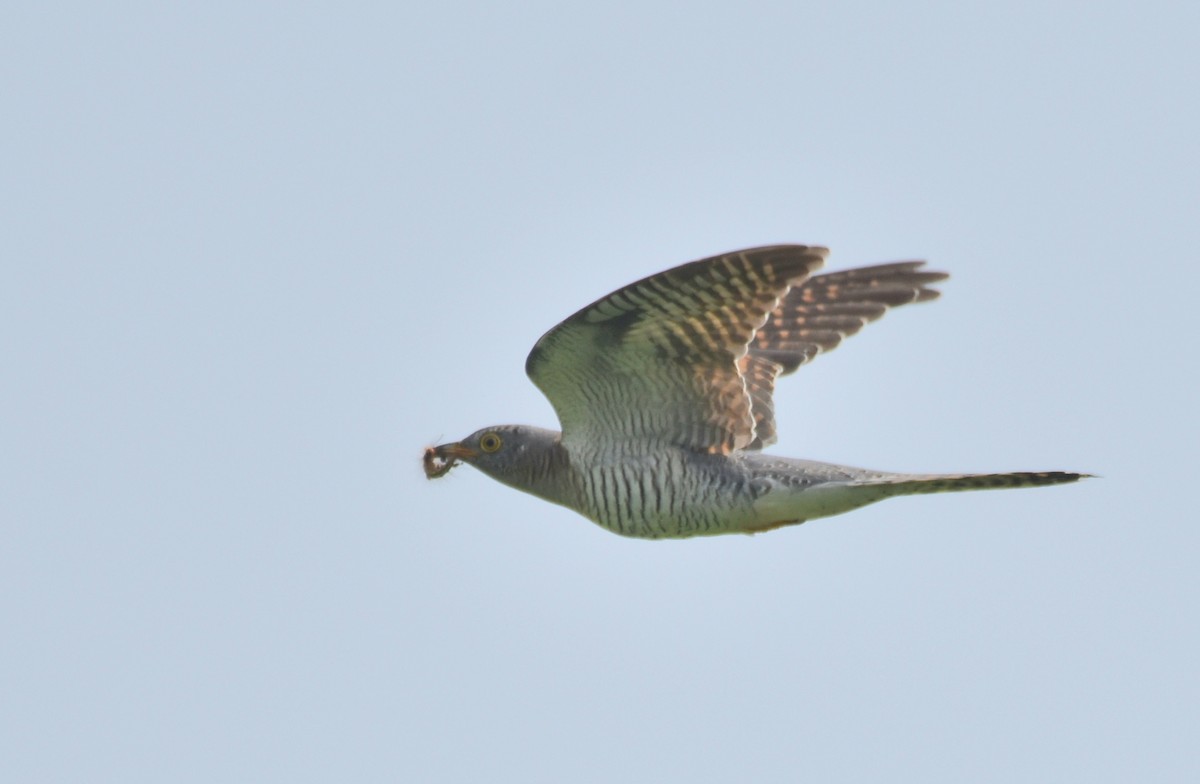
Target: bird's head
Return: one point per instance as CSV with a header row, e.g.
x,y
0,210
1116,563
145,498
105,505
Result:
x,y
513,454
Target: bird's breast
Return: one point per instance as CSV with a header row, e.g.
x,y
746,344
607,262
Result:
x,y
660,493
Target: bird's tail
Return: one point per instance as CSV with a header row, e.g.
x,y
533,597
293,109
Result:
x,y
916,484
789,506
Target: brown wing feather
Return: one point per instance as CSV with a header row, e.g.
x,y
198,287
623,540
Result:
x,y
815,317
760,374
658,359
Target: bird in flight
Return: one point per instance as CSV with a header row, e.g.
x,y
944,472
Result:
x,y
664,390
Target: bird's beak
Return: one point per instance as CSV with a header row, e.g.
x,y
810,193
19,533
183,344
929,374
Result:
x,y
439,460
455,451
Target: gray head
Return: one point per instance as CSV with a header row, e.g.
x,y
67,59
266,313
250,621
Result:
x,y
524,457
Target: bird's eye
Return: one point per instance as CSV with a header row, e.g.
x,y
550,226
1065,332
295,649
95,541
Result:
x,y
489,442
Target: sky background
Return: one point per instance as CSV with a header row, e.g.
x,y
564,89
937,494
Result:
x,y
258,255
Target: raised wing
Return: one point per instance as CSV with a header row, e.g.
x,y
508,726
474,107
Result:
x,y
663,358
815,316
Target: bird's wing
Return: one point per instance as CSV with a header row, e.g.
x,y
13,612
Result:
x,y
665,359
815,316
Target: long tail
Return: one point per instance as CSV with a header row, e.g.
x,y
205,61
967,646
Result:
x,y
954,483
789,506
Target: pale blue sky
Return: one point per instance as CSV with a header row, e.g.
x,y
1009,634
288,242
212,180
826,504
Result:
x,y
258,255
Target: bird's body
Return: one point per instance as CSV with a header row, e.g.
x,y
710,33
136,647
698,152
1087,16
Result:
x,y
664,389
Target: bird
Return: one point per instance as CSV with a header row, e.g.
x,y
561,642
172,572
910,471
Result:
x,y
664,390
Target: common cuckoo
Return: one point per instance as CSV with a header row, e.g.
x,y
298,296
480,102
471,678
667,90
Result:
x,y
664,392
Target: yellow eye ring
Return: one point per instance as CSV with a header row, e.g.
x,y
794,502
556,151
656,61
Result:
x,y
489,442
